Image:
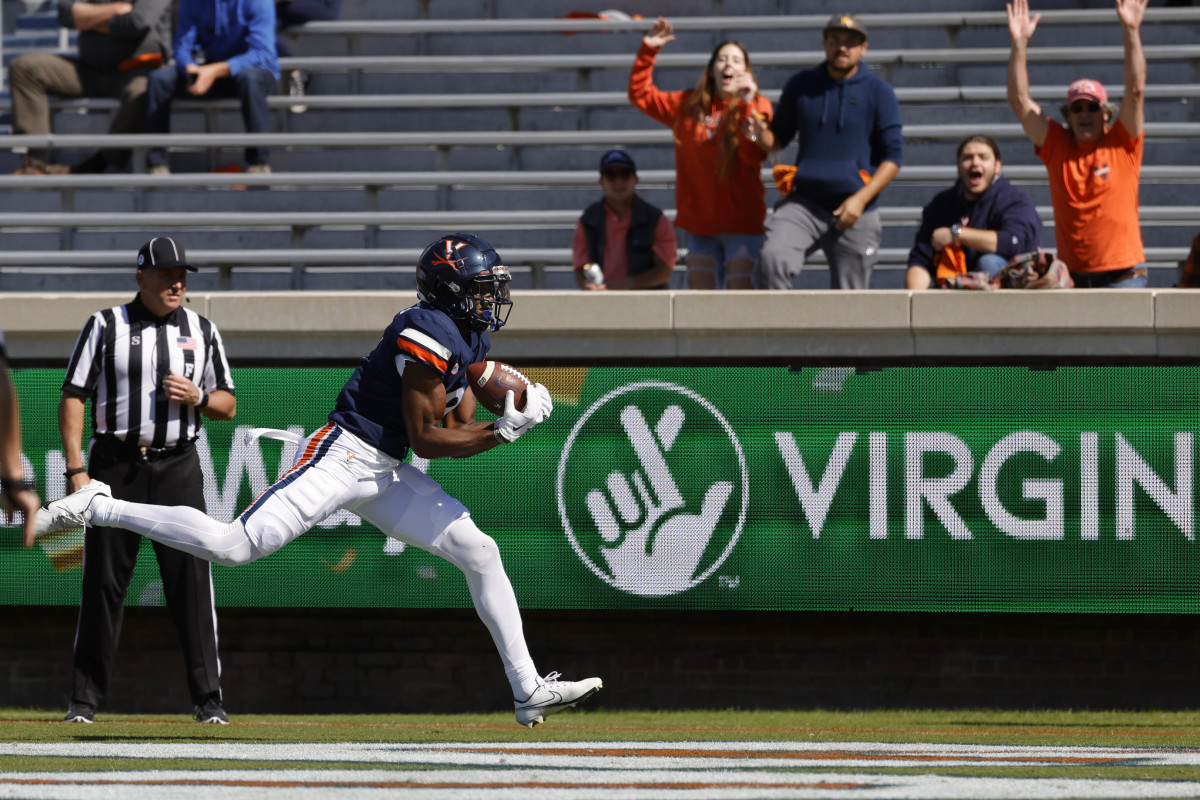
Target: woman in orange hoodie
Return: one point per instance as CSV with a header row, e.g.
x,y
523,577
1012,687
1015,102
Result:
x,y
719,196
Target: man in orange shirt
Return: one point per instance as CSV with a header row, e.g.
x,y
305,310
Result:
x,y
622,242
1093,164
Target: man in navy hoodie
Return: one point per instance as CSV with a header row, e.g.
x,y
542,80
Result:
x,y
985,216
237,38
847,123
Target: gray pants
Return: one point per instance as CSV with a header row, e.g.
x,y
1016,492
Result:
x,y
35,76
798,227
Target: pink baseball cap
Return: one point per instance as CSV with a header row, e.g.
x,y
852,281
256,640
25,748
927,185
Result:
x,y
1086,89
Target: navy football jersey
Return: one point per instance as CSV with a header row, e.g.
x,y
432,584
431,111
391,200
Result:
x,y
370,406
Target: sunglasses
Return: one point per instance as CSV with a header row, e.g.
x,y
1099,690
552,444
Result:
x,y
1079,108
848,42
617,173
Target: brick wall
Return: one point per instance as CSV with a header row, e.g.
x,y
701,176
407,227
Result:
x,y
352,660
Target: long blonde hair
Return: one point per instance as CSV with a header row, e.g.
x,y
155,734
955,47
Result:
x,y
698,103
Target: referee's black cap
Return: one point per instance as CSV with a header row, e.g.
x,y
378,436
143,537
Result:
x,y
162,252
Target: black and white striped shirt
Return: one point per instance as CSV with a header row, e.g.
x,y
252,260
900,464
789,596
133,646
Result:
x,y
121,359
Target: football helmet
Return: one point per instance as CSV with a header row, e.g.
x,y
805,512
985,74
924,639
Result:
x,y
463,276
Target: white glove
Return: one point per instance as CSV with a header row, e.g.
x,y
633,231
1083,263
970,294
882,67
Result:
x,y
513,423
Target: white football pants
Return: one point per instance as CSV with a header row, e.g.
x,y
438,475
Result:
x,y
335,469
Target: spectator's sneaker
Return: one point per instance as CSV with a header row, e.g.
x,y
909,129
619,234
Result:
x,y
158,169
259,169
552,696
211,713
70,511
80,712
297,86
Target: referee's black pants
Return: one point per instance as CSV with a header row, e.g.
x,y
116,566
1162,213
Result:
x,y
109,556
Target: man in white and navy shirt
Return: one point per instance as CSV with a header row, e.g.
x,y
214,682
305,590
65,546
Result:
x,y
152,369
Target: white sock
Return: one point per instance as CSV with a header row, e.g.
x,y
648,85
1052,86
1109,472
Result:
x,y
180,527
475,553
523,678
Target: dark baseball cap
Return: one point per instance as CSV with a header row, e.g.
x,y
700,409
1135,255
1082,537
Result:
x,y
617,158
845,22
162,252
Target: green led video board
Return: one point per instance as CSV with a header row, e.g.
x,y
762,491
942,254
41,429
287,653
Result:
x,y
914,488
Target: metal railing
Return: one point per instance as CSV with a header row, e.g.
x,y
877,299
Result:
x,y
815,22
584,99
536,263
442,141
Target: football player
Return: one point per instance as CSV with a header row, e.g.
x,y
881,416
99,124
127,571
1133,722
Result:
x,y
410,392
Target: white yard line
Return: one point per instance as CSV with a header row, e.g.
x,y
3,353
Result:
x,y
586,770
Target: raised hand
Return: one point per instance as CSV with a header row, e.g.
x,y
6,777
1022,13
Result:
x,y
744,87
660,34
1130,12
1020,25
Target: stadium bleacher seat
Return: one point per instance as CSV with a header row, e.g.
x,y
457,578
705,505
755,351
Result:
x,y
443,117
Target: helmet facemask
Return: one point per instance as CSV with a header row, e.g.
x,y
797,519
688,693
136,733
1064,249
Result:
x,y
489,301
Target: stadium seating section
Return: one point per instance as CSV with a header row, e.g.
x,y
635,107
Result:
x,y
427,116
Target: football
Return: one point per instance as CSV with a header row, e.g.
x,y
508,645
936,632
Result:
x,y
492,380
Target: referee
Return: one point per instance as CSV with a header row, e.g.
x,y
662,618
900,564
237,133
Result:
x,y
151,369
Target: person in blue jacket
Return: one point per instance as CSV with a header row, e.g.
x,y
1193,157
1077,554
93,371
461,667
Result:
x,y
847,124
986,216
237,39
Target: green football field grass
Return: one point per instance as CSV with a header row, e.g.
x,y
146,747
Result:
x,y
1174,729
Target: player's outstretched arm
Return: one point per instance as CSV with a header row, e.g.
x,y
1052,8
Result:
x,y
433,434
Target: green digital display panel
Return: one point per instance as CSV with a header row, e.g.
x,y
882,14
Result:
x,y
901,489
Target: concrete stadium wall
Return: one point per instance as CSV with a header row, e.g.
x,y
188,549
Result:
x,y
439,661
588,328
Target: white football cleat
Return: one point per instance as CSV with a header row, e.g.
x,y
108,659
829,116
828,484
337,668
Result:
x,y
552,696
70,511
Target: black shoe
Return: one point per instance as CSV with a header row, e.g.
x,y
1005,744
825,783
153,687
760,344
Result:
x,y
210,712
80,712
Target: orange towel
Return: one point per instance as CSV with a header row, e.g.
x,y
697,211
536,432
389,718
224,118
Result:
x,y
950,261
154,60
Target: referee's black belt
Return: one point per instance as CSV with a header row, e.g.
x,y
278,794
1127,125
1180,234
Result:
x,y
141,452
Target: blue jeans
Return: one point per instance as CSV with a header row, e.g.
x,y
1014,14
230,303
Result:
x,y
251,86
1104,280
990,263
723,248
